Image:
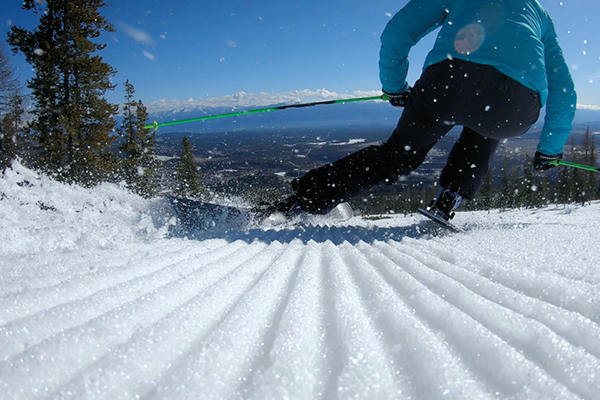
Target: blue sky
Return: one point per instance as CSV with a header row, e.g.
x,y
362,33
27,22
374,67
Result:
x,y
183,49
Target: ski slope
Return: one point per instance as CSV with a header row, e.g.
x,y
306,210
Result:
x,y
98,302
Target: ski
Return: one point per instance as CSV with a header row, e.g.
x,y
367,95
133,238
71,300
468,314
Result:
x,y
439,220
199,216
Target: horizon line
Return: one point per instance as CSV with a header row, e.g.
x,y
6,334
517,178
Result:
x,y
262,99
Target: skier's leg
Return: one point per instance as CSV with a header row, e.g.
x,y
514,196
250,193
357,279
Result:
x,y
323,188
424,121
468,163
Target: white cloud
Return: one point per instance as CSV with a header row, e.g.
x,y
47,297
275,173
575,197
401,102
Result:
x,y
588,107
137,34
243,99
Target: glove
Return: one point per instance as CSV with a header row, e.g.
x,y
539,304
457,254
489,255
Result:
x,y
397,99
544,162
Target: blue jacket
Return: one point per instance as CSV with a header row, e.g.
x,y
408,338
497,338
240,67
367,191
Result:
x,y
517,37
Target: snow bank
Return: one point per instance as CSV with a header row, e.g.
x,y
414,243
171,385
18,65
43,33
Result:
x,y
38,214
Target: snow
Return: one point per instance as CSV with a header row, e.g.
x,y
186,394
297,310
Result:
x,y
99,301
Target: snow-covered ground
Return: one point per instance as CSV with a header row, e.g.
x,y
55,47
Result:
x,y
98,302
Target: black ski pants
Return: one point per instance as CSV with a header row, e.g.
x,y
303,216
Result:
x,y
488,105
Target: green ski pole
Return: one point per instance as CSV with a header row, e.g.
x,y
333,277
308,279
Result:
x,y
157,125
575,165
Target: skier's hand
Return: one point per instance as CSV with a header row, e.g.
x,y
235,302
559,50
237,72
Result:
x,y
397,99
544,162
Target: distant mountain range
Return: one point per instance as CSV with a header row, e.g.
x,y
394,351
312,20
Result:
x,y
357,114
587,117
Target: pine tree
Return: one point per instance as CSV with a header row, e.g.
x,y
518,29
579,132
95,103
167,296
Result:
x,y
11,110
546,193
485,199
9,83
567,185
508,186
577,176
10,124
530,189
593,176
188,180
73,121
138,167
588,157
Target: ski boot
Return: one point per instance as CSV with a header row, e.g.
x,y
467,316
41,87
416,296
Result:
x,y
444,203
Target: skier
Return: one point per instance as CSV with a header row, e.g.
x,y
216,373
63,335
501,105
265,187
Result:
x,y
494,65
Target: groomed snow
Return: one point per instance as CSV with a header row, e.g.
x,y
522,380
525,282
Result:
x,y
97,301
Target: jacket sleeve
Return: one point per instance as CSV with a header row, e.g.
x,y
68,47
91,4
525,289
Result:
x,y
404,30
562,99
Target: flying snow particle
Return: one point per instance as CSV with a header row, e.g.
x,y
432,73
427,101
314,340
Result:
x,y
148,55
39,52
